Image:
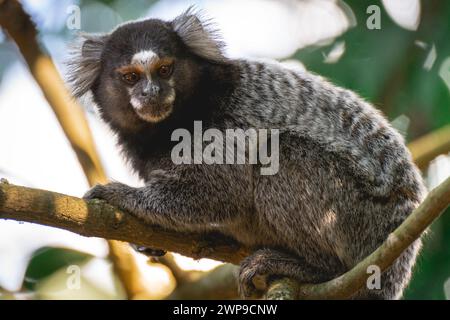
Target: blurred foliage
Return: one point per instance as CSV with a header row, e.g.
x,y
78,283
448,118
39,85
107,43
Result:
x,y
386,66
433,267
46,261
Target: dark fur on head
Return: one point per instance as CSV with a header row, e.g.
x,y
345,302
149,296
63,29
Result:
x,y
189,40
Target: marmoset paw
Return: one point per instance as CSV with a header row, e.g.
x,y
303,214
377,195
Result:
x,y
95,192
149,252
111,193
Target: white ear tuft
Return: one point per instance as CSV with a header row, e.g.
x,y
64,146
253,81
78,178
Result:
x,y
84,63
199,35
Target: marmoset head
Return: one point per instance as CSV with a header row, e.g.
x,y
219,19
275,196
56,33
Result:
x,y
139,71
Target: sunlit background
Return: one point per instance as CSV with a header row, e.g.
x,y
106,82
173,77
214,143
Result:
x,y
403,67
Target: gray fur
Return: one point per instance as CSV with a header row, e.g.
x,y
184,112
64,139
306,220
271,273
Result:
x,y
199,34
346,179
84,63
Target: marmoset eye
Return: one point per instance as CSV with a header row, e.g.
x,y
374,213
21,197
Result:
x,y
131,77
165,71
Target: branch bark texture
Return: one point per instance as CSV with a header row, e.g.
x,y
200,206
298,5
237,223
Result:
x,y
96,218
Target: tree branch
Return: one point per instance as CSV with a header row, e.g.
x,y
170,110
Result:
x,y
217,284
428,147
18,25
180,276
98,219
345,285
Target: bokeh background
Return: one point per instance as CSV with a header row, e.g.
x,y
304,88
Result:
x,y
402,66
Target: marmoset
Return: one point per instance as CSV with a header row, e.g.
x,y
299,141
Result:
x,y
345,179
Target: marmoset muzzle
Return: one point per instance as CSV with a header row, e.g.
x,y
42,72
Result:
x,y
149,93
149,102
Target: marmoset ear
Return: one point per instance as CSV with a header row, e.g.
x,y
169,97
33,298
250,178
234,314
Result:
x,y
85,62
201,37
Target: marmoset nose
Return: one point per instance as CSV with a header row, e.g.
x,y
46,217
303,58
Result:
x,y
150,91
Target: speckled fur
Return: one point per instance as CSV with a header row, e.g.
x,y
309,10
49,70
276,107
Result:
x,y
346,179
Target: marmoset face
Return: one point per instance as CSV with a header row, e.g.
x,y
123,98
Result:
x,y
143,71
142,67
148,81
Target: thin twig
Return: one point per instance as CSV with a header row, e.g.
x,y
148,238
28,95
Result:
x,y
429,146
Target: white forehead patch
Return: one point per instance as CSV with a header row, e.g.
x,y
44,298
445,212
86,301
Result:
x,y
144,57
